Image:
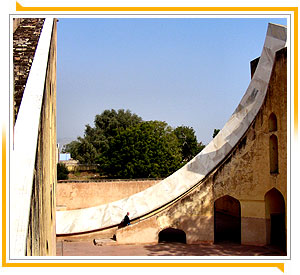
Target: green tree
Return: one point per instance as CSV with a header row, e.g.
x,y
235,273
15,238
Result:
x,y
71,148
148,149
97,139
127,147
216,131
106,127
187,142
85,151
200,146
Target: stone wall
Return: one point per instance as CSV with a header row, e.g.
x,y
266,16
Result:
x,y
77,195
25,39
41,237
247,175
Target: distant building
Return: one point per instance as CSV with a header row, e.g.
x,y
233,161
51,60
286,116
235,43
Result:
x,y
64,156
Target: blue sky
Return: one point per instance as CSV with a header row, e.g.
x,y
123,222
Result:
x,y
185,71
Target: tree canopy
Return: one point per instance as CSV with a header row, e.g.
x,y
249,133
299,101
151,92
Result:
x,y
187,142
148,149
125,146
97,139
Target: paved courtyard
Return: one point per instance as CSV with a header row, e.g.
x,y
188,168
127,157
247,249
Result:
x,y
68,248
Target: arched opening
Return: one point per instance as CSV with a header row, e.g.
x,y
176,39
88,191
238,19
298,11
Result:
x,y
272,122
172,235
273,152
227,220
275,218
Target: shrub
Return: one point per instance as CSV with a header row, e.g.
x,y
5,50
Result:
x,y
62,172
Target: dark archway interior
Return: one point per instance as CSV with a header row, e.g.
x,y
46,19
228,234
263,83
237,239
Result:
x,y
172,235
273,148
227,214
275,213
272,123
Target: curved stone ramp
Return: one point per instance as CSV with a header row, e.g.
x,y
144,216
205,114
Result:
x,y
155,197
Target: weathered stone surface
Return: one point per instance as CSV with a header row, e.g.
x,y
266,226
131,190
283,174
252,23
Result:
x,y
25,39
41,238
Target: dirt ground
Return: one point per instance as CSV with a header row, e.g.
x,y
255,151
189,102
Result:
x,y
164,249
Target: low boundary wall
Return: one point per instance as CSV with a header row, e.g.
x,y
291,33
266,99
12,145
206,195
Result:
x,y
77,195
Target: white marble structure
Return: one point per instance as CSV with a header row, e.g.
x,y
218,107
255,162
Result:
x,y
93,218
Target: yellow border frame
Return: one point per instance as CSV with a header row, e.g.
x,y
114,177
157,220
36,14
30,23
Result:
x,y
21,8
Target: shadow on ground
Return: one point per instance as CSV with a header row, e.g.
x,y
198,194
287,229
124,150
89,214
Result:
x,y
222,249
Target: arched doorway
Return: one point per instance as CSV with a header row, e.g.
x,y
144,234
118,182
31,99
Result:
x,y
227,220
275,217
172,235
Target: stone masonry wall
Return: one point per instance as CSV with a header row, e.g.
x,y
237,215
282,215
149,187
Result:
x,y
25,39
41,238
